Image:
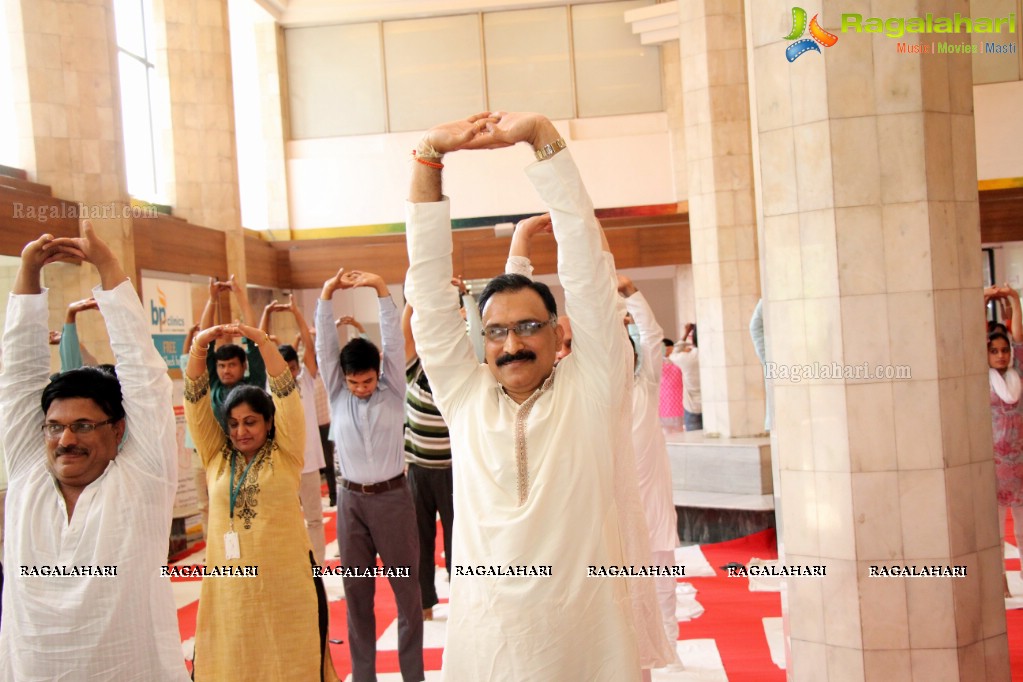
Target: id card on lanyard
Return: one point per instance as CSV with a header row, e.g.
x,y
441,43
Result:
x,y
232,548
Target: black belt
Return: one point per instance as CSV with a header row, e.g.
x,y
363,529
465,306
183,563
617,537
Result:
x,y
374,488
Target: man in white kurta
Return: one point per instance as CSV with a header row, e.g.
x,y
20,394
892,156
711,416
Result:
x,y
652,462
88,627
533,470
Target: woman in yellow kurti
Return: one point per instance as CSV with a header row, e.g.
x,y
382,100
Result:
x,y
267,626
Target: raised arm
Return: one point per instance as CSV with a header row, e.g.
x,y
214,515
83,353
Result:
x,y
206,319
327,356
392,369
474,323
260,340
241,295
349,321
585,266
1016,324
26,359
406,330
439,331
264,319
202,423
651,335
71,355
141,371
308,345
189,338
519,252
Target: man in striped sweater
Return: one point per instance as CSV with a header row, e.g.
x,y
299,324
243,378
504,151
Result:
x,y
428,454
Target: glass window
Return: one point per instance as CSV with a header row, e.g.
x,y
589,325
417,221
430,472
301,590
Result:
x,y
9,146
434,70
528,62
137,78
614,72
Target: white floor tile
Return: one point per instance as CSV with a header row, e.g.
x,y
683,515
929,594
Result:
x,y
696,564
433,634
775,634
765,583
185,592
700,661
334,586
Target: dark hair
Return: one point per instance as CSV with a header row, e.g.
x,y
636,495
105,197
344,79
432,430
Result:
x,y
993,326
998,334
510,283
288,352
230,351
668,342
695,345
254,397
359,355
92,383
108,368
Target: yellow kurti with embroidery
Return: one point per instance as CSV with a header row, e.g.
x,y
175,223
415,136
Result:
x,y
263,627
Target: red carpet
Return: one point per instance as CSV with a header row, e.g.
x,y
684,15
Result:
x,y
733,616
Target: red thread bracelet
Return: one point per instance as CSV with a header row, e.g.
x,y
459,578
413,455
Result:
x,y
426,162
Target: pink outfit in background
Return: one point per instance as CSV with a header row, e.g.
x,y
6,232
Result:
x,y
671,396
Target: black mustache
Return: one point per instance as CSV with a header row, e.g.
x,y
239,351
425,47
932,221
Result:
x,y
73,450
521,355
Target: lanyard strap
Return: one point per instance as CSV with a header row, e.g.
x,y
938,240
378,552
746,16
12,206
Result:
x,y
234,490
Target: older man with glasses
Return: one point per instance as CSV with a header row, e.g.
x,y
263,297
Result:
x,y
544,483
92,462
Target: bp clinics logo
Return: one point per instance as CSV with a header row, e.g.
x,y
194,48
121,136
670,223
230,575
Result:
x,y
818,36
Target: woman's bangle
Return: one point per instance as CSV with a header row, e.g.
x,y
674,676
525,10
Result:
x,y
197,356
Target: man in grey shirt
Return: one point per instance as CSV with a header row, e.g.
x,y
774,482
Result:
x,y
375,513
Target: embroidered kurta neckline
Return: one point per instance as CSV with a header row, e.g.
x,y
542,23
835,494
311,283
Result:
x,y
521,454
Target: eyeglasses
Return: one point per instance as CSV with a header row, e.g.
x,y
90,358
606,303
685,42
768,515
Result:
x,y
52,431
527,328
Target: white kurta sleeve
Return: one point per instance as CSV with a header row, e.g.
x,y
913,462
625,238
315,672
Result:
x,y
651,337
441,342
150,441
519,265
586,274
26,354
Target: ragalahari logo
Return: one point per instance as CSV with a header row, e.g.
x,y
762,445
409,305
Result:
x,y
817,35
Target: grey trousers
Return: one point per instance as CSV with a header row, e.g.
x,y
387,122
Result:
x,y
384,524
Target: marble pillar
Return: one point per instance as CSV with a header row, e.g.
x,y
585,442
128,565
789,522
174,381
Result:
x,y
719,168
870,247
68,104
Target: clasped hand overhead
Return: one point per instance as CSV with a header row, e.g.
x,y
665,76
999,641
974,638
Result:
x,y
489,130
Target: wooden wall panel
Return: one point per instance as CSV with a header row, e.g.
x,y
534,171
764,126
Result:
x,y
16,232
312,261
173,245
478,253
261,265
1001,215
